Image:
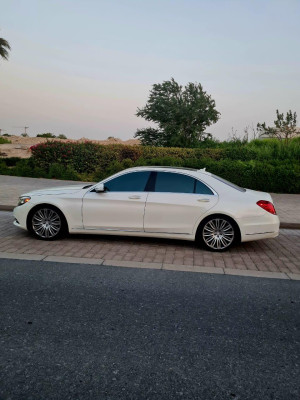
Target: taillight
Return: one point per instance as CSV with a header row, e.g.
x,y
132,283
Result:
x,y
267,205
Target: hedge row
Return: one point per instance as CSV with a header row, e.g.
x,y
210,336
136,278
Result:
x,y
261,164
277,176
87,157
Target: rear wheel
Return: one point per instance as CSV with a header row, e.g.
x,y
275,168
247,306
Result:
x,y
218,233
47,223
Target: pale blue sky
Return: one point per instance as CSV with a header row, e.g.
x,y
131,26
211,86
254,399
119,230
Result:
x,y
82,67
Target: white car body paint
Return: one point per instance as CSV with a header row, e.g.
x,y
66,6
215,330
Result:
x,y
154,214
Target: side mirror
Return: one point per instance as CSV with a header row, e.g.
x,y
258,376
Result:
x,y
100,188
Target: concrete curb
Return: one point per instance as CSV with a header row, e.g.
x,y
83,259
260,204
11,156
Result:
x,y
157,266
289,225
283,225
4,207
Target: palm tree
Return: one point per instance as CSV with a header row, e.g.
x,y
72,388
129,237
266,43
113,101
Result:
x,y
4,47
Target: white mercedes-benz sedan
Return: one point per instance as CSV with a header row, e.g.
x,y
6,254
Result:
x,y
163,202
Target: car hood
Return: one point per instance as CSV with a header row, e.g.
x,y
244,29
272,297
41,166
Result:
x,y
56,190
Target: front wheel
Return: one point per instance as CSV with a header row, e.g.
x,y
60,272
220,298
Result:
x,y
47,223
218,233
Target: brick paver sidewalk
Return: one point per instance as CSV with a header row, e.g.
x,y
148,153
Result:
x,y
11,187
281,254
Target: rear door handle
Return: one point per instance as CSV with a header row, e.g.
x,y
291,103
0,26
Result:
x,y
204,200
134,197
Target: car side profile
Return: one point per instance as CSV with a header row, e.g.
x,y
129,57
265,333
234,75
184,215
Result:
x,y
160,202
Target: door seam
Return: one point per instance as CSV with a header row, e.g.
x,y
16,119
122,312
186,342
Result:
x,y
145,212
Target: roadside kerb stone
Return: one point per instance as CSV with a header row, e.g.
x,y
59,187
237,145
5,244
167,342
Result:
x,y
256,274
193,268
75,260
289,225
16,256
132,264
294,277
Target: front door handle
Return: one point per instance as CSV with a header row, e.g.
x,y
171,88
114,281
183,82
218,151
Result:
x,y
134,197
204,200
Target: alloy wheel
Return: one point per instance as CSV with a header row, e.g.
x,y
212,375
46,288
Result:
x,y
46,223
218,234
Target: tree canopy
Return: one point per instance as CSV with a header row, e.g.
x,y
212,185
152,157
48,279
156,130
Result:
x,y
181,113
4,47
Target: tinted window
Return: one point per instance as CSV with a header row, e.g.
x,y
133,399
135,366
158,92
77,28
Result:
x,y
174,183
228,183
133,182
202,189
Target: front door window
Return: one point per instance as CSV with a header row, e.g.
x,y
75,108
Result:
x,y
132,182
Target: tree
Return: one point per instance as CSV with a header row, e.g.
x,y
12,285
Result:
x,y
182,115
285,128
4,47
151,137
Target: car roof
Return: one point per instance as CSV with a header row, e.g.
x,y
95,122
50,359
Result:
x,y
158,167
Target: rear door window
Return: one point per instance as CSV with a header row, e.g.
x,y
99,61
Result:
x,y
201,188
174,183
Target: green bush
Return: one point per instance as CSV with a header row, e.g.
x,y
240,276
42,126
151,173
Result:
x,y
23,168
11,161
87,157
4,141
276,177
58,171
4,170
83,157
27,168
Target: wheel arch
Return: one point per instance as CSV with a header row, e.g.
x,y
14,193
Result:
x,y
216,215
37,206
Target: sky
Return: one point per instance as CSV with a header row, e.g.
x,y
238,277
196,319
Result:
x,y
83,67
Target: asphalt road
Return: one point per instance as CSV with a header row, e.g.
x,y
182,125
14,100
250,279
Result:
x,y
72,331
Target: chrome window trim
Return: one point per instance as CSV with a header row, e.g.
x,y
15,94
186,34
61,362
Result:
x,y
154,170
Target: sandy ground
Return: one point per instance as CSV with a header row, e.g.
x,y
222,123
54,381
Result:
x,y
20,146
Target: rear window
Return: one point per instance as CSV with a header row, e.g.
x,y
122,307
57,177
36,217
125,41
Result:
x,y
179,183
174,183
228,183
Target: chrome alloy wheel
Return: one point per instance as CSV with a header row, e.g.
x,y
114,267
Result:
x,y
46,223
218,234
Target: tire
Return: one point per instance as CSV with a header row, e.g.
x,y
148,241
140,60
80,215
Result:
x,y
218,233
47,223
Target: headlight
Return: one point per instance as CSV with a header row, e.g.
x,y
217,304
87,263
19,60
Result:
x,y
23,200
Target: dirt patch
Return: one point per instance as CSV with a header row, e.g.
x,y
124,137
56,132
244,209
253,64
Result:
x,y
20,146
